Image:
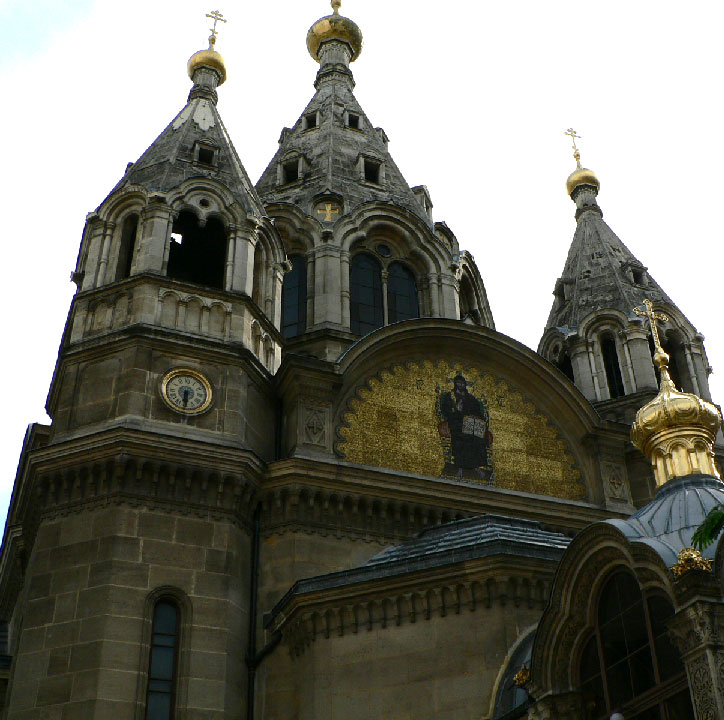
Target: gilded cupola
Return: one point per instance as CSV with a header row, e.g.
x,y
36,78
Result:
x,y
209,58
334,27
676,430
580,176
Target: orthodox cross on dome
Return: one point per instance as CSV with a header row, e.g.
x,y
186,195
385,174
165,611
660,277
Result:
x,y
336,5
653,316
576,154
217,17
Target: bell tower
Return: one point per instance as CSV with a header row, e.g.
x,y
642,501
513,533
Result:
x,y
134,505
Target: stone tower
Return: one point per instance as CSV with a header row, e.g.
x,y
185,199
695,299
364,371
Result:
x,y
592,333
146,476
336,194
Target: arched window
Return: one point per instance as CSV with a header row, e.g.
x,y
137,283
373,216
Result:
x,y
294,298
510,696
565,365
401,294
365,287
197,254
127,247
611,365
163,663
629,665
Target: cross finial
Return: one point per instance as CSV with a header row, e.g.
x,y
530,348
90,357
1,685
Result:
x,y
653,316
576,154
336,5
217,17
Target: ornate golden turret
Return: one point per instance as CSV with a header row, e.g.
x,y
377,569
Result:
x,y
209,58
581,175
676,430
334,27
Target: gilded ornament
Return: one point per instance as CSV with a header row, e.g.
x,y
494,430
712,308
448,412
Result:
x,y
334,27
522,677
690,559
209,58
581,175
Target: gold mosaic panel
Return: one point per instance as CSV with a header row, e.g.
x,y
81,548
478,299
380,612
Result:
x,y
394,422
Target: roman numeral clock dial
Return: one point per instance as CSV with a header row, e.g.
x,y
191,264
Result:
x,y
186,391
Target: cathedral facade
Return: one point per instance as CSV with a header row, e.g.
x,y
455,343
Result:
x,y
294,473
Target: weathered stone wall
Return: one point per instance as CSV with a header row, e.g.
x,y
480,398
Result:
x,y
83,647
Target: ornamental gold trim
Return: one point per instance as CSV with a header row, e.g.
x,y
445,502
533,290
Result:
x,y
522,677
690,559
171,374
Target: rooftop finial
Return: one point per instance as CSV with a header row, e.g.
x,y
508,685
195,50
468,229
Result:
x,y
676,430
336,5
217,17
574,137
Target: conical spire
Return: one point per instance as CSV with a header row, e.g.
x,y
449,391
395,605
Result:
x,y
333,150
196,143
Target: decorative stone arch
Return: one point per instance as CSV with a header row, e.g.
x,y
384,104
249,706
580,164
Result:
x,y
207,198
473,299
566,623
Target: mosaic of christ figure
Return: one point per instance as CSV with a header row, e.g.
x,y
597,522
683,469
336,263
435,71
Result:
x,y
464,428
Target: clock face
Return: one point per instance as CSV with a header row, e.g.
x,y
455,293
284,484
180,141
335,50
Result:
x,y
186,391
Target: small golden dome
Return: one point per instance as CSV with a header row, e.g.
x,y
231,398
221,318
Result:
x,y
209,58
334,27
676,430
581,176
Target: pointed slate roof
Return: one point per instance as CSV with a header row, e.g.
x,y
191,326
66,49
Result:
x,y
332,153
171,158
600,271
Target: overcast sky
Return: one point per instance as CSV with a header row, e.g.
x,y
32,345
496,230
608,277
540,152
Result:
x,y
474,96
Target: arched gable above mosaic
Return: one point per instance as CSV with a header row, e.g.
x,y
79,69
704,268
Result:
x,y
448,420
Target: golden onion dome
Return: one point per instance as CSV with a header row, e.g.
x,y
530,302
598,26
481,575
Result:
x,y
581,176
334,27
208,58
676,430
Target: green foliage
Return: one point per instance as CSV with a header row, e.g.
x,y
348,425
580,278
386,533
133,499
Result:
x,y
709,530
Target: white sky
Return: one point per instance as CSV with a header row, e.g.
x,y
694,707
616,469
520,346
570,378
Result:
x,y
475,97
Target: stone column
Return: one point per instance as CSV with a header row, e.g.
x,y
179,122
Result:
x,y
277,280
637,340
385,305
344,275
434,286
701,365
327,285
240,269
108,228
92,251
697,629
154,237
582,374
450,302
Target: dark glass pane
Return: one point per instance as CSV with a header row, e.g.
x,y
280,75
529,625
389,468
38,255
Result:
x,y
642,671
159,707
679,707
629,592
164,618
366,311
294,298
634,625
163,686
668,658
612,367
590,665
593,700
660,610
608,606
652,713
401,294
162,663
613,639
619,683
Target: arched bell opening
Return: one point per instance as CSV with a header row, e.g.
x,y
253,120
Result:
x,y
197,253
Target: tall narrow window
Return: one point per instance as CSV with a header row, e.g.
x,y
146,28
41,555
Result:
x,y
401,294
294,298
197,254
630,665
365,285
127,247
612,367
163,662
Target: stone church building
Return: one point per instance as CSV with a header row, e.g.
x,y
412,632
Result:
x,y
294,473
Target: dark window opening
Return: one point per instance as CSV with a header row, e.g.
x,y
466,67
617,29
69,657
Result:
x,y
127,248
163,662
565,365
353,121
639,276
401,294
294,298
206,156
197,254
365,286
612,367
372,171
630,661
559,292
291,171
675,352
310,121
